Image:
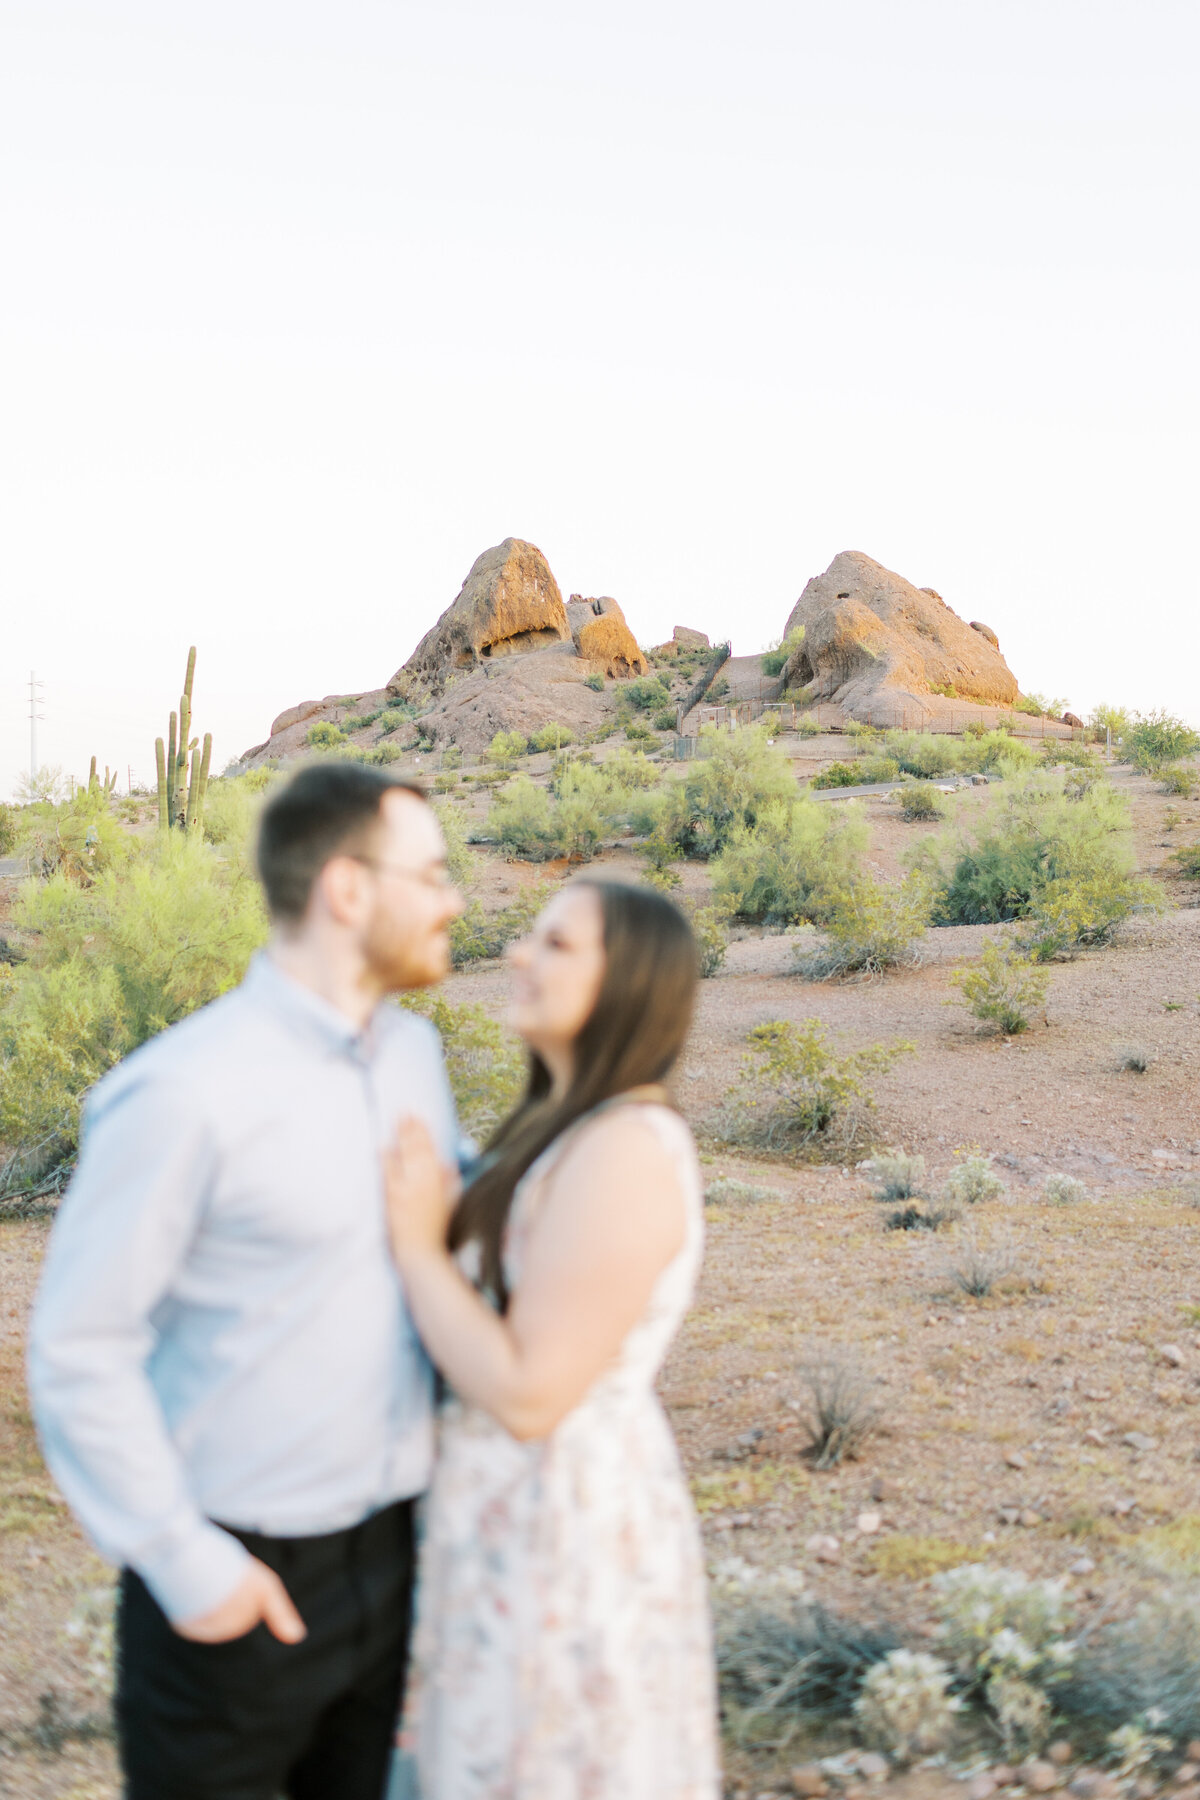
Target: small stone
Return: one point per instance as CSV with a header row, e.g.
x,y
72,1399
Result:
x,y
882,1488
868,1523
1171,1353
874,1767
856,1791
1090,1784
1097,1394
1009,1515
982,1788
1193,1751
1191,1792
1122,1507
1093,1436
1145,1788
1014,1459
809,1781
825,1549
1060,1752
1029,1518
1083,1565
1002,1775
1138,1440
1039,1777
1186,1772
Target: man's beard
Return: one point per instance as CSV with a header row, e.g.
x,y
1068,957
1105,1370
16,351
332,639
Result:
x,y
399,960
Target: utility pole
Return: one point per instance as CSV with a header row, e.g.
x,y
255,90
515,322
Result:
x,y
35,701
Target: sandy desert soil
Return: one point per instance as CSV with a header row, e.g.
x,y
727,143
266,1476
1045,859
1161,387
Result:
x,y
1005,1425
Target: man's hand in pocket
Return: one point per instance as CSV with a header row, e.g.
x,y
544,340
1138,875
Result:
x,y
260,1598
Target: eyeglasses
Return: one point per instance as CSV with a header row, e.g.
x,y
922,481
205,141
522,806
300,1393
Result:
x,y
431,878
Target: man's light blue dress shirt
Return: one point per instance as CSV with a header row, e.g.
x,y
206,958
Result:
x,y
220,1333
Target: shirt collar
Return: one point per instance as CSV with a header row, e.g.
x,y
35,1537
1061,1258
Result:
x,y
267,984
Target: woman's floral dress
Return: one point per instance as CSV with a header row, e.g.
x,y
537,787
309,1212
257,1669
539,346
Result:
x,y
563,1649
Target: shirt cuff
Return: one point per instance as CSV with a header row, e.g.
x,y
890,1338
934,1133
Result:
x,y
193,1577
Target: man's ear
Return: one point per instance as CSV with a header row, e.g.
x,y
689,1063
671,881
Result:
x,y
338,890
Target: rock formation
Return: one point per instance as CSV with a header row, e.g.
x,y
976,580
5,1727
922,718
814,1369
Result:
x,y
602,637
508,603
881,647
687,639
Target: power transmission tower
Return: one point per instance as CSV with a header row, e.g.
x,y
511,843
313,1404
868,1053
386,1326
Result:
x,y
36,697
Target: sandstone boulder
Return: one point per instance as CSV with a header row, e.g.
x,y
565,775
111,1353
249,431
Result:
x,y
689,639
508,603
602,637
879,647
984,631
520,693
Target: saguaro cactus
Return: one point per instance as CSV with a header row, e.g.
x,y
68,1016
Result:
x,y
181,788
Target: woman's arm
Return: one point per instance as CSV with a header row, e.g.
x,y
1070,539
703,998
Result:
x,y
612,1219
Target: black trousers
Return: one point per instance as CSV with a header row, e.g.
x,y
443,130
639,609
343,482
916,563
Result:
x,y
256,1719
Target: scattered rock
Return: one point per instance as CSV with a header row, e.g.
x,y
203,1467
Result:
x,y
1002,1775
874,1767
809,1781
883,1488
1070,718
1029,1518
1083,1565
825,1549
1171,1353
868,1523
982,1788
1060,1752
1138,1440
1093,1436
976,625
1015,1460
1039,1777
690,639
1185,1773
1122,1507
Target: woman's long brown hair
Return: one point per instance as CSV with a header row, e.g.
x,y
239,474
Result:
x,y
632,1038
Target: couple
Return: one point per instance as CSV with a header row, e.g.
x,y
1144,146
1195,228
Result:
x,y
266,1244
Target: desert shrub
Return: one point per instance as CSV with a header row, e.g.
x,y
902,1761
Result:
x,y
869,925
476,935
505,748
874,769
785,866
1072,755
836,775
904,1707
1063,1190
977,1266
647,693
1188,859
1084,912
1006,1639
1035,834
630,770
551,736
324,735
231,810
1144,1667
719,688
460,864
665,720
1040,706
726,1189
926,753
973,1180
806,728
730,788
711,929
392,718
776,659
595,681
382,754
783,1661
359,721
446,783
147,941
921,1215
452,757
894,1175
920,800
486,1064
1153,740
795,1094
1110,718
8,829
844,1406
1133,1059
523,820
1178,779
1003,989
570,818
78,838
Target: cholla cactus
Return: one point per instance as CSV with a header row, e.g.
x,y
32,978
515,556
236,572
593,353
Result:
x,y
734,1578
1135,1745
1063,1190
972,1180
982,1607
904,1707
1021,1708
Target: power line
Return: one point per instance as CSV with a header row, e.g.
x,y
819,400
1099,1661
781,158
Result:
x,y
36,697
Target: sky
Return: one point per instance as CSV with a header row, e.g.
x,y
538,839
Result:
x,y
305,305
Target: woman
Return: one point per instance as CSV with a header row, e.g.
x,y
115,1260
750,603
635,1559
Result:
x,y
562,1645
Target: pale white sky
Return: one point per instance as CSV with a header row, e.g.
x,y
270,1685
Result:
x,y
303,305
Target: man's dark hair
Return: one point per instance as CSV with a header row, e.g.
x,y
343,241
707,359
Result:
x,y
329,809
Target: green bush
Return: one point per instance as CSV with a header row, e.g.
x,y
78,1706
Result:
x,y
1084,912
461,865
551,736
452,757
647,693
711,928
505,748
1152,740
1188,859
1003,989
8,829
1033,834
730,787
147,940
795,1095
776,659
486,1064
324,735
568,819
382,754
393,718
1039,706
476,936
631,770
781,869
869,926
1179,780
595,681
638,733
929,753
1110,718
837,775
664,721
359,721
921,800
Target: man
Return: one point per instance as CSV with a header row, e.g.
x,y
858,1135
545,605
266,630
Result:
x,y
228,1388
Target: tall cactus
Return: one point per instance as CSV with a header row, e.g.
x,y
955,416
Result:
x,y
182,774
